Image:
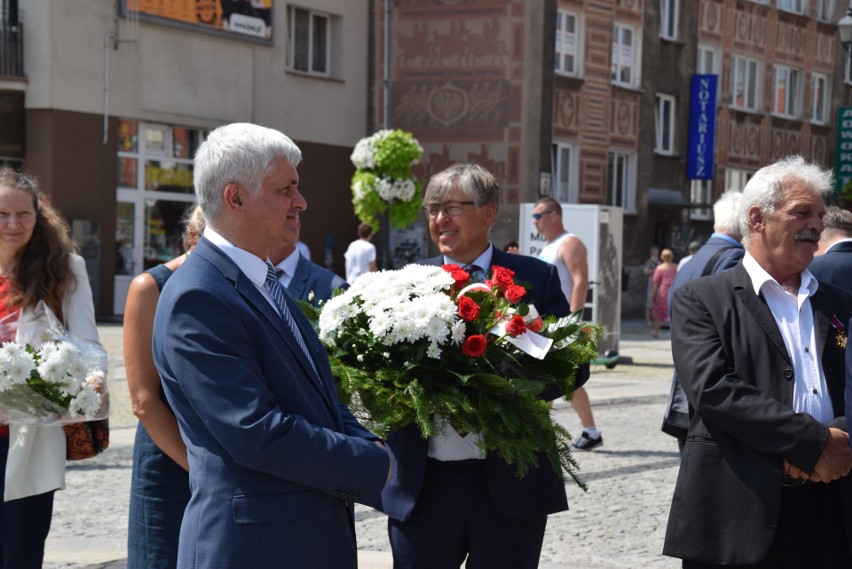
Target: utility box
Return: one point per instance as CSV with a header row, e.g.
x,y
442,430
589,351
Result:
x,y
599,227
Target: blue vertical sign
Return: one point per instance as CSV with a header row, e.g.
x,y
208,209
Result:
x,y
702,127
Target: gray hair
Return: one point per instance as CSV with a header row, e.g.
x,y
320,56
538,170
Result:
x,y
837,222
766,188
474,180
241,153
550,202
726,213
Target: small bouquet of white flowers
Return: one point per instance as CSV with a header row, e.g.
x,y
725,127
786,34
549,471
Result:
x,y
47,376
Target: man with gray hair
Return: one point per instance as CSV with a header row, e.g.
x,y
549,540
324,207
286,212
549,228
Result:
x,y
833,260
275,460
721,252
759,352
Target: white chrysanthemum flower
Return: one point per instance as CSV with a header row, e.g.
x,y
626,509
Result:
x,y
87,402
433,351
458,331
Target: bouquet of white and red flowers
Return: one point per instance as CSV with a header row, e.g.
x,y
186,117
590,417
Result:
x,y
425,342
48,376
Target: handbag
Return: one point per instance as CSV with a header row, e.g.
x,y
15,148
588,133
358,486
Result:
x,y
86,440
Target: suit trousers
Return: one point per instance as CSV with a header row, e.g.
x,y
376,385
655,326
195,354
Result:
x,y
455,518
24,524
811,532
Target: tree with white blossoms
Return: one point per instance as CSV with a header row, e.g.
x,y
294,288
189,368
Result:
x,y
383,181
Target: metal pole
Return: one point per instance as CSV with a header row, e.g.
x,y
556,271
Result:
x,y
386,230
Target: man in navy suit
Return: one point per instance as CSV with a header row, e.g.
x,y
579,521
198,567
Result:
x,y
275,460
448,501
759,351
304,279
721,252
833,260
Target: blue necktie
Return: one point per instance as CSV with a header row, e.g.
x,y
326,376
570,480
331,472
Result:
x,y
276,291
477,274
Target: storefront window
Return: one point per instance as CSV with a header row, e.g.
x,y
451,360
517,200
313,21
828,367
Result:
x,y
163,176
124,240
163,231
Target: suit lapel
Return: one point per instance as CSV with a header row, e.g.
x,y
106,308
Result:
x,y
299,282
258,302
756,305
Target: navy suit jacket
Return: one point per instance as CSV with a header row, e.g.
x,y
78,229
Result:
x,y
310,277
738,376
275,459
835,267
541,491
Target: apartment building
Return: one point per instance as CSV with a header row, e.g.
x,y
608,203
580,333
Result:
x,y
591,101
106,103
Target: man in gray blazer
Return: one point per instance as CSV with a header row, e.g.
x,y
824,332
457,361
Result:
x,y
759,353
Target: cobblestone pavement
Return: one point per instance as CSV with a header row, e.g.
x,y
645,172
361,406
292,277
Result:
x,y
619,523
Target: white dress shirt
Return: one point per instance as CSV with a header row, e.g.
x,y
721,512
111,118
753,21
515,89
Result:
x,y
287,268
795,320
448,444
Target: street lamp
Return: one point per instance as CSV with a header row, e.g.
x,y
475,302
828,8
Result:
x,y
844,28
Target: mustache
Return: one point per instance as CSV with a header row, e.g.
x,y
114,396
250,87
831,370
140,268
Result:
x,y
807,235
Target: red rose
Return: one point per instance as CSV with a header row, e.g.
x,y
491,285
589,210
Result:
x,y
502,277
450,267
460,276
536,325
516,326
474,346
468,309
514,293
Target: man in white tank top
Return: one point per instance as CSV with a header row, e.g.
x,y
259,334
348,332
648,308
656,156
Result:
x,y
568,254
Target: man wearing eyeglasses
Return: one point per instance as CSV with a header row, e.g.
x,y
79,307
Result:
x,y
568,254
448,501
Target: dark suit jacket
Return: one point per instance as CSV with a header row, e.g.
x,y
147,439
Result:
x,y
275,459
835,267
676,417
738,377
540,491
310,277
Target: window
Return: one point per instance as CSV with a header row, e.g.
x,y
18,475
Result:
x,y
665,120
699,193
795,6
621,180
308,41
819,98
625,56
668,19
565,173
710,63
745,84
787,91
736,179
825,10
568,43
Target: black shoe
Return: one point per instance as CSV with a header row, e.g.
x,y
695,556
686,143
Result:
x,y
585,442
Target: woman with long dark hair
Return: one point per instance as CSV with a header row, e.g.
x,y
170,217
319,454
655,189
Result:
x,y
37,263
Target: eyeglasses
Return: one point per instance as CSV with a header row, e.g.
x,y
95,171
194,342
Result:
x,y
450,209
537,216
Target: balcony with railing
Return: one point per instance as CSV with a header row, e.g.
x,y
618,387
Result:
x,y
11,40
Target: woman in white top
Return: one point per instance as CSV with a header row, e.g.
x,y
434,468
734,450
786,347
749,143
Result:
x,y
37,263
361,254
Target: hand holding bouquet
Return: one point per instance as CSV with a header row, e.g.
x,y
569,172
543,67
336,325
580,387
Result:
x,y
424,342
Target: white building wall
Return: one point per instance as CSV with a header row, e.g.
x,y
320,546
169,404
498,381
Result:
x,y
197,79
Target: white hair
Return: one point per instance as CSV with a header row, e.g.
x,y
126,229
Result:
x,y
726,213
766,188
242,153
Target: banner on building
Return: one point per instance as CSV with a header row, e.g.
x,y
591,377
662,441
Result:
x,y
702,127
245,17
843,158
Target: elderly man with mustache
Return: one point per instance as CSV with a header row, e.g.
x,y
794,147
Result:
x,y
759,350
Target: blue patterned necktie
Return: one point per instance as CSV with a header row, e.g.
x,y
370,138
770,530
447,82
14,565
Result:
x,y
275,290
477,274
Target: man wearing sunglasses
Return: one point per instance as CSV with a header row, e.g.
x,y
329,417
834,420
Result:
x,y
565,251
